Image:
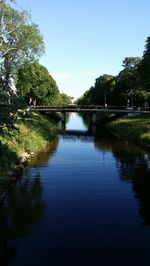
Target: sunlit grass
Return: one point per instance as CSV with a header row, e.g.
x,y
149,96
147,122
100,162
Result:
x,y
137,129
32,135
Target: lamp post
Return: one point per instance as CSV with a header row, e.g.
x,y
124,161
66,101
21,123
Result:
x,y
105,101
128,103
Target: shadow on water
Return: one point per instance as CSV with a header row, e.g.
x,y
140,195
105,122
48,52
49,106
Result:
x,y
133,164
23,207
20,211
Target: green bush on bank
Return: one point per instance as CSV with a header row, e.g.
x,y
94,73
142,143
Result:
x,y
135,128
31,135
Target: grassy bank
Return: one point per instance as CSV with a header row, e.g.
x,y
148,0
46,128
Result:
x,y
31,135
136,129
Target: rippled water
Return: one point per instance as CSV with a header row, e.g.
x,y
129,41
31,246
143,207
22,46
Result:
x,y
85,201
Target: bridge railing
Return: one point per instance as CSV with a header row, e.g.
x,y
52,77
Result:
x,y
96,107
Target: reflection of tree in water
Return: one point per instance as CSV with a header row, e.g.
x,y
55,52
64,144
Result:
x,y
133,165
7,157
40,158
127,154
141,187
23,207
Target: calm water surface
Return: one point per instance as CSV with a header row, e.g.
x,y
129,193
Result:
x,y
85,201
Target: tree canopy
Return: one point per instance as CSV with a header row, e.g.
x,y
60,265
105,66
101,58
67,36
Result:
x,y
100,93
35,82
20,40
131,85
144,70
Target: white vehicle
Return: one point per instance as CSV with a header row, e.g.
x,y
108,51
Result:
x,y
72,105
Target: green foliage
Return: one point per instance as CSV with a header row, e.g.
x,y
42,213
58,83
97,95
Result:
x,y
35,82
65,99
101,93
144,70
136,129
131,62
104,87
35,132
31,135
127,82
20,40
87,98
111,90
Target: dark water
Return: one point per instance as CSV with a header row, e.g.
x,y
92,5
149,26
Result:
x,y
85,201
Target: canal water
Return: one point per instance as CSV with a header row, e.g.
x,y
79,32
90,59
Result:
x,y
84,201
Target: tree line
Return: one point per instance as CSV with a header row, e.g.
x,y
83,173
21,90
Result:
x,y
131,87
23,80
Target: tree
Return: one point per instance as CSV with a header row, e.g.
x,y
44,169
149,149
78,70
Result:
x,y
87,98
35,82
144,71
20,41
127,82
131,62
101,93
103,89
65,99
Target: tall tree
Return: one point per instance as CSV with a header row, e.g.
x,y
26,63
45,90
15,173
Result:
x,y
127,82
35,83
101,93
144,71
131,62
20,41
103,89
65,99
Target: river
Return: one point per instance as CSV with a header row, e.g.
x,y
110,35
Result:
x,y
84,201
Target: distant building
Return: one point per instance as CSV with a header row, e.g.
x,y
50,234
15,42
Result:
x,y
72,99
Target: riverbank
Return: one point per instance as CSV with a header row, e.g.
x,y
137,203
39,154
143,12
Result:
x,y
136,129
31,135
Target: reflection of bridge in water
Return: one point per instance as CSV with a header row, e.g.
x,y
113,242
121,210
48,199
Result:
x,y
85,135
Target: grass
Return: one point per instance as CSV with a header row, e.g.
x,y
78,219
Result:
x,y
32,135
136,129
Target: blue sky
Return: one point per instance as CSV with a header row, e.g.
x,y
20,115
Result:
x,y
87,38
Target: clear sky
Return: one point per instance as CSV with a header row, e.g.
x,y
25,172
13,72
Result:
x,y
87,38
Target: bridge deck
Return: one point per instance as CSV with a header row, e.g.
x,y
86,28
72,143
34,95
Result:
x,y
86,110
